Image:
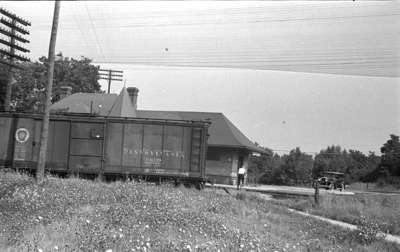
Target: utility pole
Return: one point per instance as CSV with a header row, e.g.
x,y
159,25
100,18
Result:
x,y
110,75
50,72
15,28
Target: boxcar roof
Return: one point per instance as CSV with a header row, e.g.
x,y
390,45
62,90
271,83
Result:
x,y
223,133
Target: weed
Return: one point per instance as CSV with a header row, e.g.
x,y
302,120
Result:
x,y
367,231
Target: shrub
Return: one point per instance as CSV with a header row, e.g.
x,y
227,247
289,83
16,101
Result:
x,y
367,232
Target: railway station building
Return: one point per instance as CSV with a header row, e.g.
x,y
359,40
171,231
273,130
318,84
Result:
x,y
228,147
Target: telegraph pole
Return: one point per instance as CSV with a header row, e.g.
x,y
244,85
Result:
x,y
110,75
50,72
15,28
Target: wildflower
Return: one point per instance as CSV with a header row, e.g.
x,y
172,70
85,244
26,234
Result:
x,y
56,247
40,250
87,221
109,250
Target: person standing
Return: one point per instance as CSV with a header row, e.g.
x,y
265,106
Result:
x,y
241,173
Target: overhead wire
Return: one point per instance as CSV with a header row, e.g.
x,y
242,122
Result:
x,y
235,22
94,31
211,55
83,35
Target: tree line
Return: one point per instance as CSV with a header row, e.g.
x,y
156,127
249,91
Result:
x,y
28,87
300,168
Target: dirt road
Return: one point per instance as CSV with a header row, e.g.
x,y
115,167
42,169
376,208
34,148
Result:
x,y
285,190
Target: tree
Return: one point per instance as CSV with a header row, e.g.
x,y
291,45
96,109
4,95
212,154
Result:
x,y
259,165
390,160
4,71
360,165
28,91
353,163
292,169
296,167
333,158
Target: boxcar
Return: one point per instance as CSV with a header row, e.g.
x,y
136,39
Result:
x,y
107,146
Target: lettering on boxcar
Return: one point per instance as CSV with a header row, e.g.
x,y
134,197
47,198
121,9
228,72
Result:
x,y
154,158
154,153
20,152
152,161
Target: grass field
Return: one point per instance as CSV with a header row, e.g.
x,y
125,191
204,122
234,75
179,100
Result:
x,y
374,187
81,215
382,211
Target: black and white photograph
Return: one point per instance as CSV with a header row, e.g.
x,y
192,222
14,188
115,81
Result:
x,y
200,126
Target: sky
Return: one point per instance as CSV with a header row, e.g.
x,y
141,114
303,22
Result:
x,y
287,74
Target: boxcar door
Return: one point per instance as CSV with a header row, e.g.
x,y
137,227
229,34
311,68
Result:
x,y
86,147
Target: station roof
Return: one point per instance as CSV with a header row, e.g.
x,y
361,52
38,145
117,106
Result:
x,y
223,133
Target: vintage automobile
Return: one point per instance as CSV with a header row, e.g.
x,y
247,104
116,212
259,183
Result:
x,y
332,180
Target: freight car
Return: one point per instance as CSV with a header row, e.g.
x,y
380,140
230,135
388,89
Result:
x,y
107,146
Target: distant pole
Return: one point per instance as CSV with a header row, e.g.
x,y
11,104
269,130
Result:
x,y
110,75
14,31
46,116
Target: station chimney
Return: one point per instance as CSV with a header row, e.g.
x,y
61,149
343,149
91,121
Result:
x,y
133,94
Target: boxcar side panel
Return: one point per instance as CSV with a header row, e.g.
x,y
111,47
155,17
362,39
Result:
x,y
132,147
6,140
152,146
172,150
57,144
187,143
86,147
113,148
196,149
60,144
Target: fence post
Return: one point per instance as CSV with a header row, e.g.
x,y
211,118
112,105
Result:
x,y
316,193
